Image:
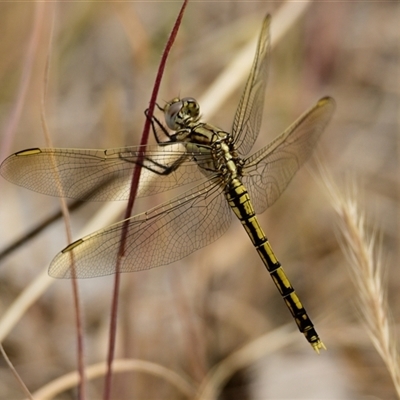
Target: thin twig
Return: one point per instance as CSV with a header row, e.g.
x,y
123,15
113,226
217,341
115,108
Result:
x,y
15,373
131,201
31,54
65,212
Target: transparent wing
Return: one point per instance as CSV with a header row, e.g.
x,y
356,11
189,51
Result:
x,y
248,117
160,236
269,171
100,175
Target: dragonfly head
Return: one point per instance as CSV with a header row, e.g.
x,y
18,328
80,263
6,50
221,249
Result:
x,y
180,113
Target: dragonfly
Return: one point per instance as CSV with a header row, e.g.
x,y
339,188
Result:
x,y
226,179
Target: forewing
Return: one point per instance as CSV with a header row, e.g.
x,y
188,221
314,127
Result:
x,y
99,175
248,117
269,171
160,236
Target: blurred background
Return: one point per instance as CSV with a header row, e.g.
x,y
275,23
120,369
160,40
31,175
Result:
x,y
198,313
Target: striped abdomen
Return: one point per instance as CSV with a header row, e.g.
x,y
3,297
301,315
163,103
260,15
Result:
x,y
240,203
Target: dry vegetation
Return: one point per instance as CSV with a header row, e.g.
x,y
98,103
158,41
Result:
x,y
211,324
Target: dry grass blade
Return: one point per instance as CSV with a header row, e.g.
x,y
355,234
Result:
x,y
68,381
15,373
253,351
65,213
367,273
236,72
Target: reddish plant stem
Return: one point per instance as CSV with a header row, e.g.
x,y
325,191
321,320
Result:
x,y
131,201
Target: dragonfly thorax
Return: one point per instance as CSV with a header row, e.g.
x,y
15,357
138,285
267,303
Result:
x,y
183,116
226,159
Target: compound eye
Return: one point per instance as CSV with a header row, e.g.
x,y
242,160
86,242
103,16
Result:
x,y
191,107
171,111
180,113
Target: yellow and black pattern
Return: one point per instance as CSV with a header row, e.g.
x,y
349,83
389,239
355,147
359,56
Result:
x,y
239,201
194,152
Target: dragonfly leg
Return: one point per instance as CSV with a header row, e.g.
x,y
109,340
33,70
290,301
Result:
x,y
165,169
155,122
156,167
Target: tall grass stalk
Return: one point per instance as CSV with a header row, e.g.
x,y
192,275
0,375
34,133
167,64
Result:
x,y
367,272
